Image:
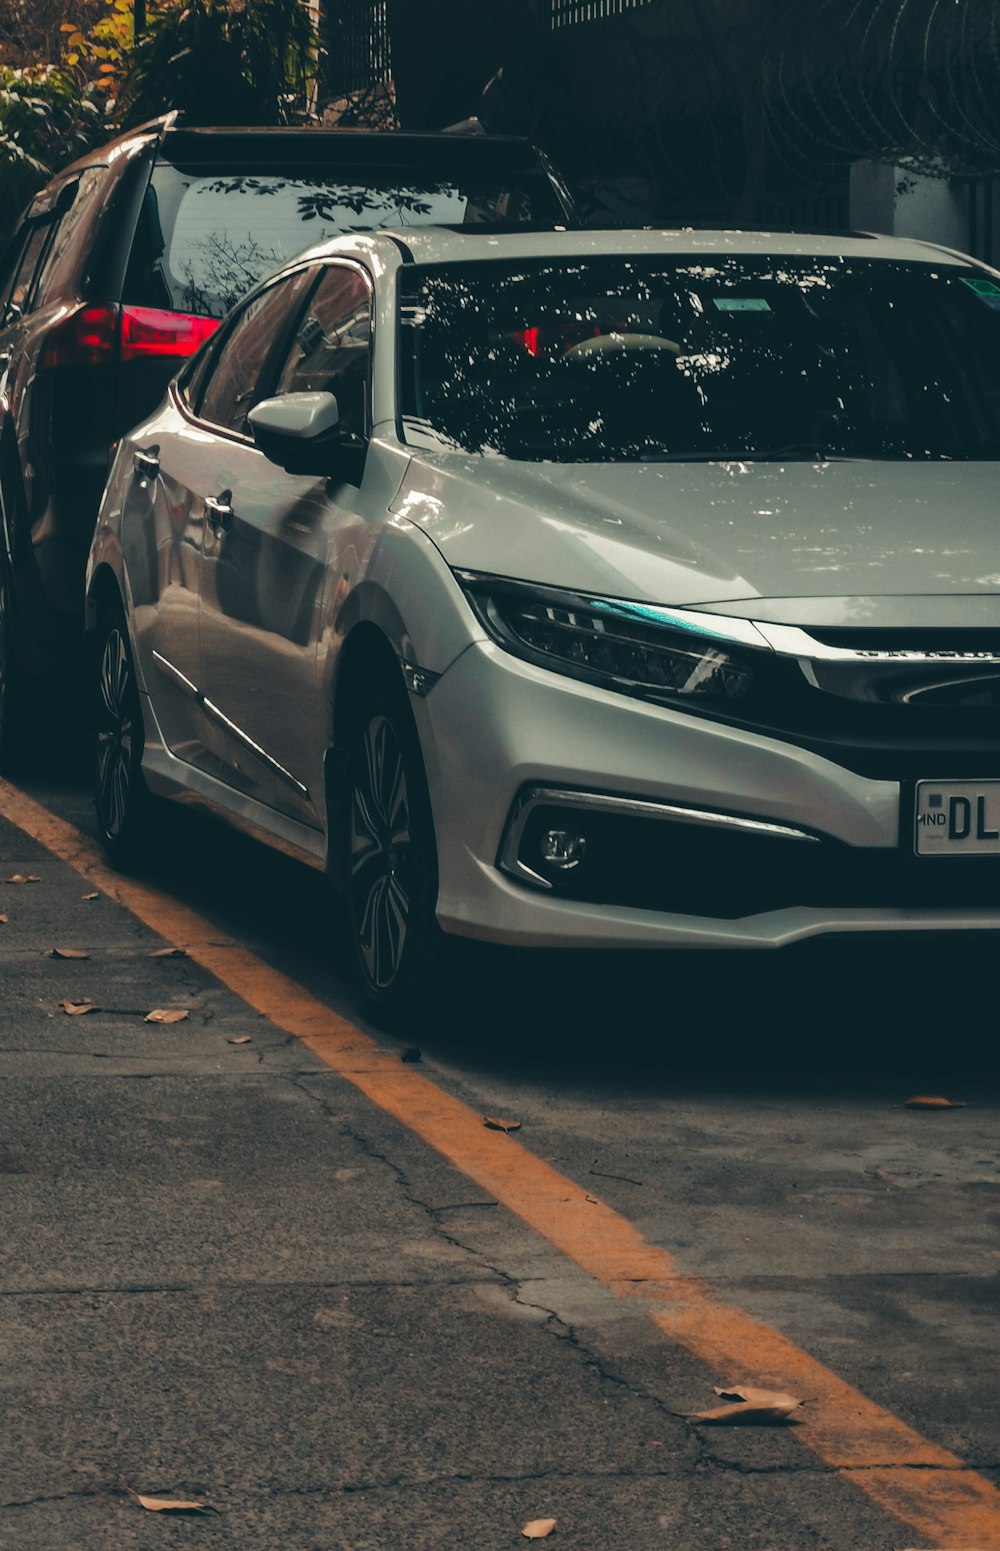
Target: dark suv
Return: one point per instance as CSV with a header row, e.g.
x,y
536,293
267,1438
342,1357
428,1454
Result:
x,y
121,266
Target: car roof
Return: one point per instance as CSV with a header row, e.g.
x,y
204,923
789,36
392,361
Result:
x,y
373,148
443,245
286,146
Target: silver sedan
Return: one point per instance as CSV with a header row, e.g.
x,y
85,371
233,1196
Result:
x,y
575,589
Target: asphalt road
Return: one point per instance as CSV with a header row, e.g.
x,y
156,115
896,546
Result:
x,y
230,1274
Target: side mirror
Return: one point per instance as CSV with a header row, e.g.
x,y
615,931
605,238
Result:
x,y
301,433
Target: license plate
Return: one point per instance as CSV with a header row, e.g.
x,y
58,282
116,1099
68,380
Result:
x,y
957,818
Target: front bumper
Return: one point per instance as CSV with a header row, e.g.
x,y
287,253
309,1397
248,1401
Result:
x,y
498,732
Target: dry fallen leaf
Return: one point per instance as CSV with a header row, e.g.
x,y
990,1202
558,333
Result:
x,y
750,1405
493,1124
169,953
168,1504
751,1396
68,953
95,895
933,1101
20,877
74,1008
4,919
166,1015
538,1529
240,1039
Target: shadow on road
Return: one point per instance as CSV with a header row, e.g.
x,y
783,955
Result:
x,y
833,1016
839,1015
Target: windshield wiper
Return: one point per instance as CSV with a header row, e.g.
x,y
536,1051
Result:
x,y
792,453
795,452
804,452
591,452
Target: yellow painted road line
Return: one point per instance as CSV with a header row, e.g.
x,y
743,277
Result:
x,y
923,1485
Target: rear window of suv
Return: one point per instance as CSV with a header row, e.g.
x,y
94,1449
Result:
x,y
206,237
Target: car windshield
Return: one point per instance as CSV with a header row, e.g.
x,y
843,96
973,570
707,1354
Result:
x,y
205,238
715,357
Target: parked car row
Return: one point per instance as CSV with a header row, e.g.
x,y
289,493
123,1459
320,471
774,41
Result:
x,y
572,588
123,265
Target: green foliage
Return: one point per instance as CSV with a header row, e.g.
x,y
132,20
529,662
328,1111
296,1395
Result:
x,y
98,54
47,117
221,62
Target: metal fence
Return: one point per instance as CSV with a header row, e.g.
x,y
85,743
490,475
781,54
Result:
x,y
568,13
356,40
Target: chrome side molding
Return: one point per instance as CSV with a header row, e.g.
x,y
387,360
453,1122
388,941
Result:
x,y
212,710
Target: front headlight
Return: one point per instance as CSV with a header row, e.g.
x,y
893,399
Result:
x,y
658,653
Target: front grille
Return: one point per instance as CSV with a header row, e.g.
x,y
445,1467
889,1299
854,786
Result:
x,y
890,718
686,869
886,742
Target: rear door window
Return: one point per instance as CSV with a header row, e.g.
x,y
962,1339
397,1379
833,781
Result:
x,y
10,263
21,293
66,259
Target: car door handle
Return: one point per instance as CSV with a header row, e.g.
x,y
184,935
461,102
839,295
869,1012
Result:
x,y
146,462
220,511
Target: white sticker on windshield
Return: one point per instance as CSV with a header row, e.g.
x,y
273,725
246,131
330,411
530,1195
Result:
x,y
741,304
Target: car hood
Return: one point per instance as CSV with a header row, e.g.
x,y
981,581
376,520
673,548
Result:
x,y
797,541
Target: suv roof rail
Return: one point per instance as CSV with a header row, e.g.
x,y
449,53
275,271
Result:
x,y
163,121
393,149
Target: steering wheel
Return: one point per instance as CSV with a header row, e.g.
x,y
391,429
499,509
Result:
x,y
619,344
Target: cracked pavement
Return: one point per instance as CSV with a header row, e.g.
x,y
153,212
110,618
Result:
x,y
227,1275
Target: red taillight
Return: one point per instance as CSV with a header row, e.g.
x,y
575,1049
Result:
x,y
86,338
147,331
528,339
100,336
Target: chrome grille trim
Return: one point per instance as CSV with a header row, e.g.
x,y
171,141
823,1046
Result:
x,y
791,641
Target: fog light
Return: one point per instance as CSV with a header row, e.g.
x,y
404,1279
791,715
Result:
x,y
563,848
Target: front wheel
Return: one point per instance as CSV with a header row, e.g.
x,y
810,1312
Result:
x,y
121,798
390,861
18,734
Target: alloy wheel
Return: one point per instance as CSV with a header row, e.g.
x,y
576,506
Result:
x,y
115,734
380,853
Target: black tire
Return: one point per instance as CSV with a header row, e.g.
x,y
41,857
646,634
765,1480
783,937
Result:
x,y
16,730
389,861
7,670
121,797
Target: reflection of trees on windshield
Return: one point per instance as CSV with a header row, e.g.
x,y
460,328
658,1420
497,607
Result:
x,y
224,241
218,260
320,197
720,359
403,203
226,270
325,198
